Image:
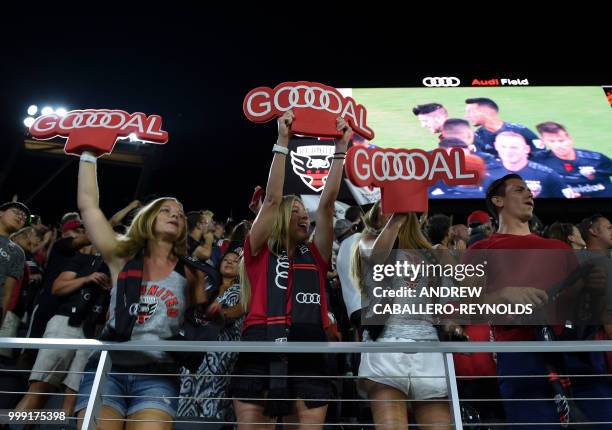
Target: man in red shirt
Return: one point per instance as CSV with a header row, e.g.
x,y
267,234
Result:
x,y
511,202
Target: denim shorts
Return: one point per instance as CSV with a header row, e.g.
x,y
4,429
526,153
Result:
x,y
154,392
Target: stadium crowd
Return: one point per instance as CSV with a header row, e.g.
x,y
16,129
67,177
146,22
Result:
x,y
155,270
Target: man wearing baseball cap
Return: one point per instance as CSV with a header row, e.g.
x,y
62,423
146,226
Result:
x,y
63,250
479,223
13,216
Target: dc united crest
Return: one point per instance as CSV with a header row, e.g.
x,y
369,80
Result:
x,y
146,308
311,163
588,172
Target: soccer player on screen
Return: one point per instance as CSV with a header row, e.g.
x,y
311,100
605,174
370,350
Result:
x,y
484,112
513,152
431,116
457,128
586,172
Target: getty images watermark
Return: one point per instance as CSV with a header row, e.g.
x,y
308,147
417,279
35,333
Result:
x,y
505,287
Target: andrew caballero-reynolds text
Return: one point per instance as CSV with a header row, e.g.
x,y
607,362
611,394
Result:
x,y
453,295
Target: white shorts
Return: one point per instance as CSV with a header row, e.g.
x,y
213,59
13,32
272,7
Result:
x,y
415,371
63,361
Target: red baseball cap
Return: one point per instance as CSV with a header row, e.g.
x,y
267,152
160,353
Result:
x,y
478,217
259,193
71,225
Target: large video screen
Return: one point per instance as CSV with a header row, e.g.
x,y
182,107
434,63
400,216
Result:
x,y
557,138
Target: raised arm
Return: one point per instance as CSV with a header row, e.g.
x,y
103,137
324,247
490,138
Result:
x,y
120,215
99,230
383,245
67,282
264,222
204,251
323,235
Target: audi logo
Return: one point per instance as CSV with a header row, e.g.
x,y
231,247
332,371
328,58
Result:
x,y
299,96
308,298
441,82
133,309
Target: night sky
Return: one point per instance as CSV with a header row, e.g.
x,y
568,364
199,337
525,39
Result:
x,y
195,69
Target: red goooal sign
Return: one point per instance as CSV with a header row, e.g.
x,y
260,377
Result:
x,y
316,107
403,175
97,130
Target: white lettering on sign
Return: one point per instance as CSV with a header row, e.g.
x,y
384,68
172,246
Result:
x,y
262,103
384,165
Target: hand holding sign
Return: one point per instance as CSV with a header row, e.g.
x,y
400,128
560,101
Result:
x,y
284,125
316,107
97,130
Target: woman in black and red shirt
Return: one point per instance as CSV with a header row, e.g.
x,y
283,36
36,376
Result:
x,y
283,292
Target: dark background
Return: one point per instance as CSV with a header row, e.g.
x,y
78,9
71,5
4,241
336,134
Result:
x,y
194,68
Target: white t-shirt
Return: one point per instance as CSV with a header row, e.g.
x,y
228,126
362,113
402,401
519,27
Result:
x,y
350,292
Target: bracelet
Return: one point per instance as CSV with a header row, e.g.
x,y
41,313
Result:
x,y
339,153
88,158
338,158
280,149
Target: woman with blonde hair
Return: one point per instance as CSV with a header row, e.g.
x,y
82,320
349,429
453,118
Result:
x,y
391,379
151,289
283,291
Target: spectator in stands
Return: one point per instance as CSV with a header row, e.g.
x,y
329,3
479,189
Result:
x,y
13,216
124,213
596,231
219,231
19,307
146,274
277,246
480,226
511,201
437,230
459,236
236,240
46,236
566,232
78,287
201,240
386,383
206,396
374,220
347,234
73,238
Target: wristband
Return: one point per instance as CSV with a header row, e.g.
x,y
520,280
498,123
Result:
x,y
87,157
280,149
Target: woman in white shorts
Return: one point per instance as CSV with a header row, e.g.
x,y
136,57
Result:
x,y
392,379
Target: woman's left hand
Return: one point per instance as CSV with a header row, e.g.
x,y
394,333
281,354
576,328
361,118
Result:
x,y
347,131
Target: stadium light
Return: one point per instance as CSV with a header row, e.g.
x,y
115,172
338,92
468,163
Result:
x,y
32,110
28,121
47,110
61,111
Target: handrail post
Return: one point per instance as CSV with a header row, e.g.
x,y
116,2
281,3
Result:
x,y
453,392
94,404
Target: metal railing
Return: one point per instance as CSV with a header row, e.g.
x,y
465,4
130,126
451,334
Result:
x,y
446,348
